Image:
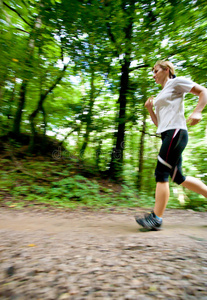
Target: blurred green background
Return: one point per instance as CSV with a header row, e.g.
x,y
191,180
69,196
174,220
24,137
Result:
x,y
74,78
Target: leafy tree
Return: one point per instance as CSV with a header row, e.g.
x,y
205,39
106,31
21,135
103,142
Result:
x,y
80,70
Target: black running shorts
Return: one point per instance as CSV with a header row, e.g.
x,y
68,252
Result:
x,y
170,156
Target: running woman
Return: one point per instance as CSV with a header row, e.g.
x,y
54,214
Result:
x,y
169,118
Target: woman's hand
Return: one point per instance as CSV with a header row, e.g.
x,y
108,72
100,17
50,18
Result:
x,y
149,106
194,118
149,103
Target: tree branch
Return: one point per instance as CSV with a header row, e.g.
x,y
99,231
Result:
x,y
139,67
14,10
20,30
56,81
147,133
68,134
44,95
112,37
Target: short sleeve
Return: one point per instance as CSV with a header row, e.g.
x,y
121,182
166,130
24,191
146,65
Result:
x,y
183,85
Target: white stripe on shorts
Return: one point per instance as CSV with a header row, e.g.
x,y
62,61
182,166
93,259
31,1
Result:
x,y
174,173
164,162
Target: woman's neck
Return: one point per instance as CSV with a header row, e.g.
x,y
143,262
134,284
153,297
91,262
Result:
x,y
164,82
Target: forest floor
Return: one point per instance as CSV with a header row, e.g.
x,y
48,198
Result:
x,y
85,254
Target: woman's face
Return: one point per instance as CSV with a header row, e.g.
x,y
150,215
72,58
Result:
x,y
159,74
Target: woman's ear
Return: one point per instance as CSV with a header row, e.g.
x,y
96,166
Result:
x,y
168,72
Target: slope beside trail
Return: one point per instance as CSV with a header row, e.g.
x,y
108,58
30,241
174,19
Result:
x,y
82,254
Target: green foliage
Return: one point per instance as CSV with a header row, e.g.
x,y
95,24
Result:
x,y
63,188
96,38
70,191
195,202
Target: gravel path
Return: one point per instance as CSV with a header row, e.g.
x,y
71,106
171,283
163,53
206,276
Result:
x,y
101,255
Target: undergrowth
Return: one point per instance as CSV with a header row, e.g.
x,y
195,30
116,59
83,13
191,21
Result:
x,y
29,182
36,181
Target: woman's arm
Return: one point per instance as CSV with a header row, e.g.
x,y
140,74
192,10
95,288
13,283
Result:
x,y
149,106
196,116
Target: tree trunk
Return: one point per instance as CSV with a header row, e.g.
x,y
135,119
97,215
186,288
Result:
x,y
98,153
2,84
19,111
116,164
23,89
11,101
117,153
40,107
89,116
141,152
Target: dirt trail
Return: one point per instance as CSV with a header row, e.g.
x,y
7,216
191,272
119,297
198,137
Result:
x,y
99,255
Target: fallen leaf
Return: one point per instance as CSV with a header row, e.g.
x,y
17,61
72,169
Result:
x,y
31,245
153,288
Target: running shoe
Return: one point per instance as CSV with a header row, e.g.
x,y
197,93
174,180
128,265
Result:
x,y
149,222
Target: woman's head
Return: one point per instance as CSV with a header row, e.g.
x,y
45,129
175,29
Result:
x,y
163,70
165,65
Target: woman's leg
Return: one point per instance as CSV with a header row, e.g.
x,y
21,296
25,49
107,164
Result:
x,y
161,198
162,192
173,144
195,185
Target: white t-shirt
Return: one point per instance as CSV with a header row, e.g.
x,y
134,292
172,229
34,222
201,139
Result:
x,y
169,106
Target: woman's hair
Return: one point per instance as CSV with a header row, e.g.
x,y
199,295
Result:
x,y
164,64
